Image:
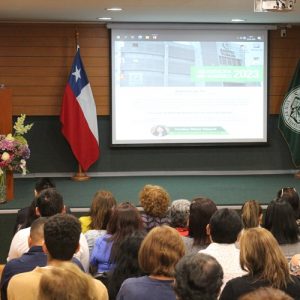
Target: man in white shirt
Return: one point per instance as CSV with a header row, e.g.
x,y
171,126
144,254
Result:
x,y
49,203
223,229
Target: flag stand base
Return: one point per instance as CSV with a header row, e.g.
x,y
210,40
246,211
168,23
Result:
x,y
297,175
80,175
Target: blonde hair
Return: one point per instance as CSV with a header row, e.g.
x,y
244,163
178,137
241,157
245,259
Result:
x,y
262,257
251,214
66,282
160,251
266,293
155,200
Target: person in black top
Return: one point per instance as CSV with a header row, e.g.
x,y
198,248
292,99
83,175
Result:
x,y
262,258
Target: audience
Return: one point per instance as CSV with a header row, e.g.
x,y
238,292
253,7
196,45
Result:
x,y
68,282
201,210
126,263
29,260
267,293
265,264
155,201
251,214
61,234
198,277
160,251
179,216
283,226
95,224
125,220
49,202
224,228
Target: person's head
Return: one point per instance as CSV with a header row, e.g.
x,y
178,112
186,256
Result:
x,y
36,237
283,223
43,184
266,293
251,214
201,210
100,210
261,256
155,200
224,226
124,221
179,213
49,202
160,251
126,263
198,277
290,195
66,282
61,234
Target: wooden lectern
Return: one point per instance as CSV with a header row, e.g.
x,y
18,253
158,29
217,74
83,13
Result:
x,y
5,128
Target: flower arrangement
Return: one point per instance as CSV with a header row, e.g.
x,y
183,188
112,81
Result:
x,y
14,148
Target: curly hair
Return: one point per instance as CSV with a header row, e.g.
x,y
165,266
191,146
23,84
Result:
x,y
62,234
198,277
155,200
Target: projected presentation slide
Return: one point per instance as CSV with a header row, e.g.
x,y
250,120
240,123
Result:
x,y
189,87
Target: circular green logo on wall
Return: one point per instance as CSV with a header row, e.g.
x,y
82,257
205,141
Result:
x,y
291,110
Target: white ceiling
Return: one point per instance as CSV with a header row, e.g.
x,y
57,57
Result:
x,y
178,11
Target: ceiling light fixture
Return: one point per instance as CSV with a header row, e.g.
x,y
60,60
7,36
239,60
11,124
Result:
x,y
104,18
114,9
238,20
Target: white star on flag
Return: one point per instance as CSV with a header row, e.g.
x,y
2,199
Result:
x,y
77,74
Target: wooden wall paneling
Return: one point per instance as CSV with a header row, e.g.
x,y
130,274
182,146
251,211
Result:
x,y
35,61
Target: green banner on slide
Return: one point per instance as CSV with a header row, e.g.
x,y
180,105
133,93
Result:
x,y
215,130
227,74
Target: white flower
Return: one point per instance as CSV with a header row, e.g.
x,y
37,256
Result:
x,y
23,166
5,156
1,172
9,137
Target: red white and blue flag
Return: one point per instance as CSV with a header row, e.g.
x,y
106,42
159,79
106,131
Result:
x,y
79,117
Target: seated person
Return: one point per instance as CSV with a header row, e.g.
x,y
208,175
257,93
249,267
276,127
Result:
x,y
160,251
179,216
155,201
198,276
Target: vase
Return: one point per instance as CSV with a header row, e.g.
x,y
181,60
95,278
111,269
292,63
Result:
x,y
3,187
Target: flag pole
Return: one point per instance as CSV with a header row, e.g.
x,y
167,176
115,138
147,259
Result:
x,y
80,175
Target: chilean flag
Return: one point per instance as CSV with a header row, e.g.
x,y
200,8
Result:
x,y
79,117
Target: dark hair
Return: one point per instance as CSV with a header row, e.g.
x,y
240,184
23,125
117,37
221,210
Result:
x,y
37,229
269,215
201,210
126,263
100,210
283,223
225,225
30,215
124,221
49,202
290,195
62,233
198,277
43,184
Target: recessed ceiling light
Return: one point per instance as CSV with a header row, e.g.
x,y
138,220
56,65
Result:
x,y
238,20
104,18
114,9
